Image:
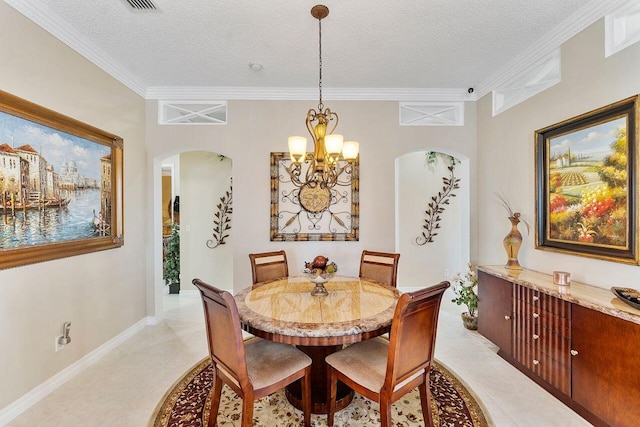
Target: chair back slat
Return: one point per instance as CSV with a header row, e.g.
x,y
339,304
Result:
x,y
413,333
224,336
268,266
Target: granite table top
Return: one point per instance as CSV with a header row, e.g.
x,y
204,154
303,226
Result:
x,y
285,310
589,296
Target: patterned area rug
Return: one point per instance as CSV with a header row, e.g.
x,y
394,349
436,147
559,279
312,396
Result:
x,y
188,404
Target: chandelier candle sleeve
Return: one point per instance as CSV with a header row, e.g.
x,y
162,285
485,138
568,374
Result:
x,y
350,150
297,148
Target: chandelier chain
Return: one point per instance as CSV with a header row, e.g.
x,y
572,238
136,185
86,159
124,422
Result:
x,y
320,105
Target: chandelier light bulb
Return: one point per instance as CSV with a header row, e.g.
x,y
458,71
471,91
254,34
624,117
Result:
x,y
297,148
333,144
350,150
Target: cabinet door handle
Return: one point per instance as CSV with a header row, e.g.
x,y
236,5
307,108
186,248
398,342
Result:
x,y
536,298
536,315
574,352
536,336
536,362
507,317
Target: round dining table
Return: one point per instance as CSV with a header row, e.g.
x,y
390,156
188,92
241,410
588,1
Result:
x,y
285,311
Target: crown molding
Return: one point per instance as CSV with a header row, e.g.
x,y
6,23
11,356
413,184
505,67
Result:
x,y
306,94
544,46
44,17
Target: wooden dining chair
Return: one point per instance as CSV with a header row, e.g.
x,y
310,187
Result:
x,y
384,370
268,266
254,368
381,267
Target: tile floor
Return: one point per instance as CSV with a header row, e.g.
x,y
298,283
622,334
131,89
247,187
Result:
x,y
123,388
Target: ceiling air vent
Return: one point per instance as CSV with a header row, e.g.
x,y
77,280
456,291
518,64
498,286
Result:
x,y
142,4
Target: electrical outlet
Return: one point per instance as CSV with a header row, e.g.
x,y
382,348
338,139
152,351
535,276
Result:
x,y
58,347
446,272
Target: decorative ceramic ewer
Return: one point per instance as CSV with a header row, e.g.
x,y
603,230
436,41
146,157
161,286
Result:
x,y
512,243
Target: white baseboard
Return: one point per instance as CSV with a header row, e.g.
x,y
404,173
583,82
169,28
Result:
x,y
40,391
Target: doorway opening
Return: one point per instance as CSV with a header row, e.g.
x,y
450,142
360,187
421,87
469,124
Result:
x,y
196,180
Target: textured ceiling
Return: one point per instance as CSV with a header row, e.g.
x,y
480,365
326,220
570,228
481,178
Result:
x,y
366,43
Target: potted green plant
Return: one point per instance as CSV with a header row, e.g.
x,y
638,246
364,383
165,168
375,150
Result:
x,y
465,287
171,267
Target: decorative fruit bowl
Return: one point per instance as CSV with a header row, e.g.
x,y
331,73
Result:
x,y
316,276
319,271
628,295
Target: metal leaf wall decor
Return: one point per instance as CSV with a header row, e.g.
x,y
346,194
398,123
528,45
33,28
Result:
x,y
222,221
437,204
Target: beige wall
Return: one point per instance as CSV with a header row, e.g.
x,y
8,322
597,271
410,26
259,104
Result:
x,y
102,293
257,128
506,152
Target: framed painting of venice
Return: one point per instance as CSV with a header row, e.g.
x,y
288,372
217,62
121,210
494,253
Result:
x,y
60,185
586,184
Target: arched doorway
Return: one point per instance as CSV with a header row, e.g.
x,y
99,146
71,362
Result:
x,y
202,179
424,184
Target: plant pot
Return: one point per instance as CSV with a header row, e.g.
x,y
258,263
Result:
x,y
469,322
174,288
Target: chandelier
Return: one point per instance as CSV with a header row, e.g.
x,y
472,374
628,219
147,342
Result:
x,y
332,156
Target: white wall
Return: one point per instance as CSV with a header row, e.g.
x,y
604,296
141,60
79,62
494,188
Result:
x,y
204,179
429,263
257,128
102,293
506,153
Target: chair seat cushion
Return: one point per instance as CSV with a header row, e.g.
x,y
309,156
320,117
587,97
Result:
x,y
269,362
364,362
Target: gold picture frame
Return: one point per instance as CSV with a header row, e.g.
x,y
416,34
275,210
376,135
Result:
x,y
61,185
586,184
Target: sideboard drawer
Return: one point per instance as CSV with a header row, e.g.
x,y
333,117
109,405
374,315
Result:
x,y
543,301
541,364
530,316
553,345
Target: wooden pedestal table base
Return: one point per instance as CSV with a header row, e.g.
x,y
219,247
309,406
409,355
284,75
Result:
x,y
319,384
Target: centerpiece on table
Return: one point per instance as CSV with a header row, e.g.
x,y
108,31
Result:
x,y
319,271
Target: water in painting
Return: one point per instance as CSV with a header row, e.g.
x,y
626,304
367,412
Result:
x,y
54,186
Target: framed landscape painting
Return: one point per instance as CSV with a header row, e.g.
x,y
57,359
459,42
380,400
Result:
x,y
586,184
60,185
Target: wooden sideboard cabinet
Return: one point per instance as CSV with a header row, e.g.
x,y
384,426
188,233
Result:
x,y
577,342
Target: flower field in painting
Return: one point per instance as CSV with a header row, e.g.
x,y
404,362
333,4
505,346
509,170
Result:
x,y
588,185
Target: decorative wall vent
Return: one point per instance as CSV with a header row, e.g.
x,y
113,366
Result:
x,y
142,4
192,112
532,81
432,114
622,28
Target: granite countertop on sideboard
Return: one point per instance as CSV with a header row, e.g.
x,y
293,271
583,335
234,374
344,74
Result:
x,y
589,296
